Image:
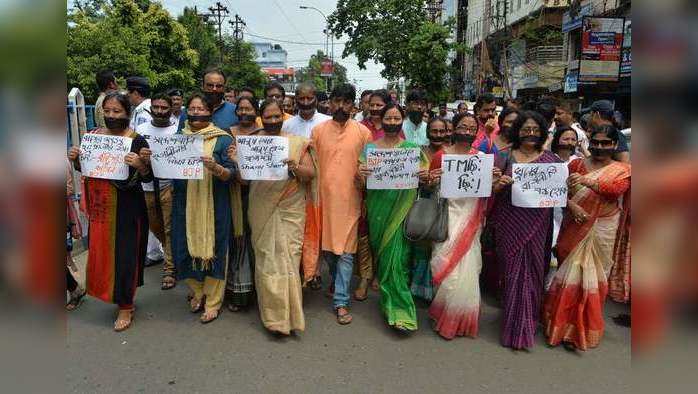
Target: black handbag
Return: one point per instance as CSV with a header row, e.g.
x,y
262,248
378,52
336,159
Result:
x,y
427,220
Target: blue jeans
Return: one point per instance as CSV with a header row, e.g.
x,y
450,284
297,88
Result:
x,y
341,269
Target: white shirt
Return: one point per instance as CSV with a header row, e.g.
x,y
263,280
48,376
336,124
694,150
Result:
x,y
301,127
147,130
359,116
139,115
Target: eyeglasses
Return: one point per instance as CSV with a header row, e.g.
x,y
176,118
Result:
x,y
601,142
467,129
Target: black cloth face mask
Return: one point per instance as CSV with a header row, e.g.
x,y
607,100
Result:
x,y
392,128
117,123
247,118
601,152
467,138
273,128
340,115
415,117
199,118
214,98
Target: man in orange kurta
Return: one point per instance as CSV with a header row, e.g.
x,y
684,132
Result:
x,y
339,143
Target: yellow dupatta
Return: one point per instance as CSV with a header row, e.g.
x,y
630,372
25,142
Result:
x,y
200,218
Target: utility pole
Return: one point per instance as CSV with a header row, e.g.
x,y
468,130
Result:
x,y
238,34
219,13
505,47
484,57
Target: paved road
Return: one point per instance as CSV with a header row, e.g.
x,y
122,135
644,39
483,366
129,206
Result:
x,y
168,350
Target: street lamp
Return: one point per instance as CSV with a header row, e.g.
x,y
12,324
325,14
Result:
x,y
327,30
327,37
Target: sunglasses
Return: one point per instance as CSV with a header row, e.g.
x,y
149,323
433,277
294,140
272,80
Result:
x,y
601,142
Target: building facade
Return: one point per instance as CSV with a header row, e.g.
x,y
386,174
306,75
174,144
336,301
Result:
x,y
273,60
522,51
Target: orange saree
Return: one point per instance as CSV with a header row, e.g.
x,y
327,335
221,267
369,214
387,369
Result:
x,y
573,310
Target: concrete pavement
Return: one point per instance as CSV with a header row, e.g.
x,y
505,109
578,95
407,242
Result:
x,y
167,350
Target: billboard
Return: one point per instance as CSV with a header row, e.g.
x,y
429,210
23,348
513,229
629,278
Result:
x,y
602,40
326,68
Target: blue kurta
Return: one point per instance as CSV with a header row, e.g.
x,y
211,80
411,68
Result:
x,y
223,221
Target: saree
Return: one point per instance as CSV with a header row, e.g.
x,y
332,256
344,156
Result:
x,y
421,285
574,303
387,210
456,264
118,234
188,265
523,237
277,222
619,280
240,277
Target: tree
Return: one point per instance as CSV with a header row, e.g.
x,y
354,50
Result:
x,y
240,67
203,39
129,41
313,71
397,34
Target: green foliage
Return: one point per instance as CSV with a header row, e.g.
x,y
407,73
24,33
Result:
x,y
397,34
202,38
125,38
239,66
312,72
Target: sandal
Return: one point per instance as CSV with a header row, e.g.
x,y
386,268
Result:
x,y
123,324
168,282
343,318
315,284
209,316
75,299
195,305
361,292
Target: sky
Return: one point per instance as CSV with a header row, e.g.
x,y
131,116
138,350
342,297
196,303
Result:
x,y
284,20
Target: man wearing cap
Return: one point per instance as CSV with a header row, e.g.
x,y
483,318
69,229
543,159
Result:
x,y
138,93
177,106
602,113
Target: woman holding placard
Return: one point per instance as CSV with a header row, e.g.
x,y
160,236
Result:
x,y
118,218
201,212
240,279
523,236
387,210
456,263
277,223
574,303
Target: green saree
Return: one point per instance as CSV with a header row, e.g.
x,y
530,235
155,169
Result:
x,y
387,209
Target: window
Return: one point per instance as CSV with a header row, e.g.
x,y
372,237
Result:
x,y
518,7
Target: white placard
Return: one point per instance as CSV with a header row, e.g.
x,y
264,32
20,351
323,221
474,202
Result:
x,y
466,176
261,158
396,168
539,185
177,156
102,156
